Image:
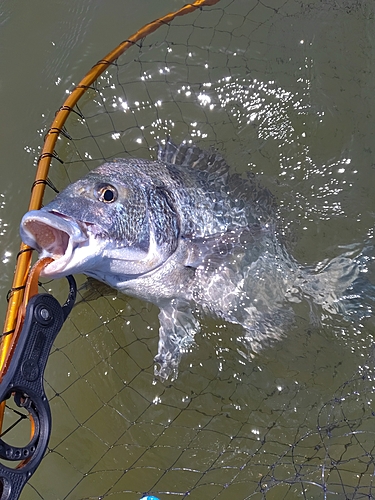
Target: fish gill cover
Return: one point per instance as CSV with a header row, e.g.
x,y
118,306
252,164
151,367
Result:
x,y
296,418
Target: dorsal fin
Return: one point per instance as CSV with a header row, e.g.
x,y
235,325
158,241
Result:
x,y
190,155
245,189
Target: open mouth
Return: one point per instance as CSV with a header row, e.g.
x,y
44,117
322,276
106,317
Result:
x,y
47,238
53,235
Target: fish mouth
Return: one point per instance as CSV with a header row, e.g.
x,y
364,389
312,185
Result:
x,y
54,235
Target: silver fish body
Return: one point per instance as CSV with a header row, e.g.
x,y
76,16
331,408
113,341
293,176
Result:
x,y
187,235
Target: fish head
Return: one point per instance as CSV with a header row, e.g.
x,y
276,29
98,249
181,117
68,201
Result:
x,y
115,224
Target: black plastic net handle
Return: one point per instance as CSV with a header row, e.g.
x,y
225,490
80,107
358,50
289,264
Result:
x,y
24,382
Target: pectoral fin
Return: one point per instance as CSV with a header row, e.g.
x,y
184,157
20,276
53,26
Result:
x,y
219,248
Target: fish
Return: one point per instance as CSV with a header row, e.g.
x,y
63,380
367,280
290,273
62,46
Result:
x,y
190,235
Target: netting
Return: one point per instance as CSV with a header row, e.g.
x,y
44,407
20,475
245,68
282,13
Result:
x,y
297,420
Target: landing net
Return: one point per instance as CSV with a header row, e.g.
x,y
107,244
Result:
x,y
297,421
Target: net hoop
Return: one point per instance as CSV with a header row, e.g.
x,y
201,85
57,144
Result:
x,y
16,294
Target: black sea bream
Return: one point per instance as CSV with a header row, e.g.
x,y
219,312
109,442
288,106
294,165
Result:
x,y
186,234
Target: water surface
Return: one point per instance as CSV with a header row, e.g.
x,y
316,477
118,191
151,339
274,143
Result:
x,y
283,91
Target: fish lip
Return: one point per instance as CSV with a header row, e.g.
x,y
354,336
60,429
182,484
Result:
x,y
55,235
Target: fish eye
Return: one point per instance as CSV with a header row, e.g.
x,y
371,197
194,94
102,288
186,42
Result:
x,y
107,193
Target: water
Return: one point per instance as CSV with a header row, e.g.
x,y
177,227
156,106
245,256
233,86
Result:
x,y
297,416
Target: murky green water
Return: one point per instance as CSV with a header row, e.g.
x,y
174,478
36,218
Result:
x,y
298,108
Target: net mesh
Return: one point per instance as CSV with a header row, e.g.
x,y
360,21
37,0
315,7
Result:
x,y
297,421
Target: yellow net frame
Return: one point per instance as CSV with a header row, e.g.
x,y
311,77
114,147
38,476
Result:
x,y
38,188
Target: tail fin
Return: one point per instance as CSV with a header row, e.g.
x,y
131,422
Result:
x,y
341,285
